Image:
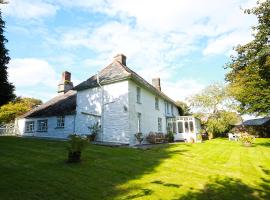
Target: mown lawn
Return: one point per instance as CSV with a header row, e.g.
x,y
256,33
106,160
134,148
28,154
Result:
x,y
217,169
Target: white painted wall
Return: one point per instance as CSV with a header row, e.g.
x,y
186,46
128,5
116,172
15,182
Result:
x,y
52,131
115,111
148,111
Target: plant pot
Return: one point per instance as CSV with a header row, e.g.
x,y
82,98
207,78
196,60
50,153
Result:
x,y
247,144
74,157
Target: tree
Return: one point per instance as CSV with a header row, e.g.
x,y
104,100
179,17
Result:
x,y
184,109
249,76
10,111
214,108
6,88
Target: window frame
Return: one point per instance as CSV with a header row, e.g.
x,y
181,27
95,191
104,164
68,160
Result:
x,y
156,103
39,123
139,122
60,121
26,126
159,124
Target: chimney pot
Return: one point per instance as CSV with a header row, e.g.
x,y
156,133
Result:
x,y
121,58
65,84
156,83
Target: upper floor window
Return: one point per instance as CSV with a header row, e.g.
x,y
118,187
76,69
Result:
x,y
156,103
167,107
159,124
42,125
138,95
172,109
60,122
29,126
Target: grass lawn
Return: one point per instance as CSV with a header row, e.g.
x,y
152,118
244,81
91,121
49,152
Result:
x,y
217,169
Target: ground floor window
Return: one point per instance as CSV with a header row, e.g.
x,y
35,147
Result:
x,y
60,122
29,126
42,125
139,122
159,124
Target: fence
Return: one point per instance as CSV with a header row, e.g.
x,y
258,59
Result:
x,y
8,129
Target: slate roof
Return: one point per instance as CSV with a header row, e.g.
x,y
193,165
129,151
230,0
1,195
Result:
x,y
116,72
64,104
257,122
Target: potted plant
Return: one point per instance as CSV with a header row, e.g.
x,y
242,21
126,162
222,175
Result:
x,y
94,130
76,145
169,136
139,137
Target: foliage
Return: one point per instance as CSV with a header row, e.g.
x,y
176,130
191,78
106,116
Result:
x,y
249,75
170,136
247,139
184,109
6,88
211,99
94,130
139,137
18,107
76,145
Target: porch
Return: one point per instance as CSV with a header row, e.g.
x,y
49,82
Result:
x,y
184,128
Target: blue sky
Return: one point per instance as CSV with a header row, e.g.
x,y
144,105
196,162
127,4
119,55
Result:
x,y
184,42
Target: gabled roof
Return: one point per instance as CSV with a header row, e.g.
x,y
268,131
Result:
x,y
64,104
116,72
257,122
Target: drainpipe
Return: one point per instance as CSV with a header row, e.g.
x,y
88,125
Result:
x,y
102,106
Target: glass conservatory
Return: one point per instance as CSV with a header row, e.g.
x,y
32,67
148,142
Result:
x,y
184,128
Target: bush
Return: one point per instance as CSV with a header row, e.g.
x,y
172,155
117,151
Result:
x,y
76,145
94,130
170,136
139,137
247,139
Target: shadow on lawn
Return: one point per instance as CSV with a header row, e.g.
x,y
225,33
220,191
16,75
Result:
x,y
265,144
229,189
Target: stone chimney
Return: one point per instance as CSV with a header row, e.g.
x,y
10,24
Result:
x,y
65,83
121,58
156,83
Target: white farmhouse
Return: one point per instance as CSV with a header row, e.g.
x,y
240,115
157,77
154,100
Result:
x,y
117,98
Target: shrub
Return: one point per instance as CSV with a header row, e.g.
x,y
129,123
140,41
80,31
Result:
x,y
170,136
247,139
94,130
76,145
139,137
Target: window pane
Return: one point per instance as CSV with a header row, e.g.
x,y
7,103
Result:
x,y
180,127
138,95
160,124
186,127
42,125
139,116
60,121
156,103
174,127
191,126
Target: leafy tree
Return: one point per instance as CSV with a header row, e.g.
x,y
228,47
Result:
x,y
249,75
6,88
184,109
214,108
10,111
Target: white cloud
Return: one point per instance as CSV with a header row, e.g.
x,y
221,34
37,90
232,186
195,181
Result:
x,y
31,72
182,89
29,9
